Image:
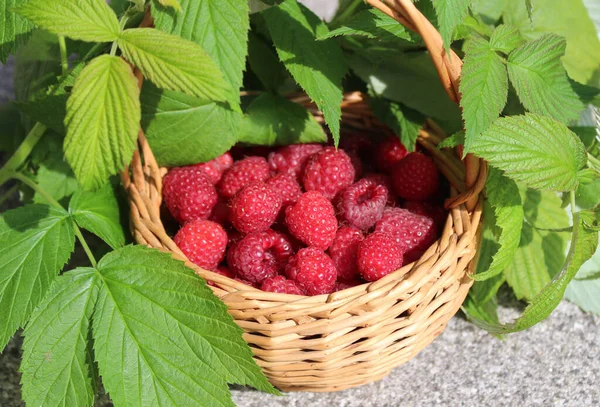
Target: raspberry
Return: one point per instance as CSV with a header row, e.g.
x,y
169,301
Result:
x,y
203,242
329,171
414,233
342,285
288,188
188,194
280,284
357,164
362,203
221,213
386,181
378,256
312,220
343,252
259,255
242,173
389,153
429,210
416,177
292,159
215,168
313,270
255,207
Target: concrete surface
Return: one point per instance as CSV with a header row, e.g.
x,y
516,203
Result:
x,y
556,363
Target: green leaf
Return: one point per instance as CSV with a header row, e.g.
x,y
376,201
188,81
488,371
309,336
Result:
x,y
404,121
506,38
452,141
535,150
103,115
503,196
263,61
489,11
56,178
56,363
588,196
485,311
174,63
171,3
35,243
544,210
568,19
450,14
583,246
317,66
371,23
540,80
183,129
219,27
48,110
584,289
156,318
411,79
484,88
539,257
85,20
14,29
273,120
99,213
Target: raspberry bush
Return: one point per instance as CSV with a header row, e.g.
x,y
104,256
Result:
x,y
258,189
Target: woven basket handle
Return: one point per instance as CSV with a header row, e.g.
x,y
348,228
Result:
x,y
448,68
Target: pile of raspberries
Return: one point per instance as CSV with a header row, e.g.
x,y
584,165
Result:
x,y
307,219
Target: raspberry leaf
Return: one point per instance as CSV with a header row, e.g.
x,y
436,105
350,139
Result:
x,y
154,316
503,196
103,115
89,20
584,289
371,23
35,243
173,63
219,27
535,150
505,38
57,362
99,213
450,14
317,66
14,29
536,72
484,88
264,63
273,120
583,246
181,129
404,121
56,178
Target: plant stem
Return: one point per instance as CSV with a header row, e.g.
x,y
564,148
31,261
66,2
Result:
x,y
30,183
113,49
64,60
19,157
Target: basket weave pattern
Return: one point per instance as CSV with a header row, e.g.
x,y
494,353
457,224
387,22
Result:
x,y
355,336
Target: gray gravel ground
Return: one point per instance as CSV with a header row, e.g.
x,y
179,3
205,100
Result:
x,y
556,363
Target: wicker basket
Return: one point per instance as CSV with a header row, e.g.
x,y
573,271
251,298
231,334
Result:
x,y
358,335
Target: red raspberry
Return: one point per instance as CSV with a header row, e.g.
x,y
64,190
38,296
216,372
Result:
x,y
288,188
292,159
188,194
221,213
329,171
414,233
356,143
313,270
362,203
389,153
259,255
378,256
386,181
343,252
428,209
342,285
203,242
280,284
312,220
255,207
242,173
215,168
416,177
356,163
